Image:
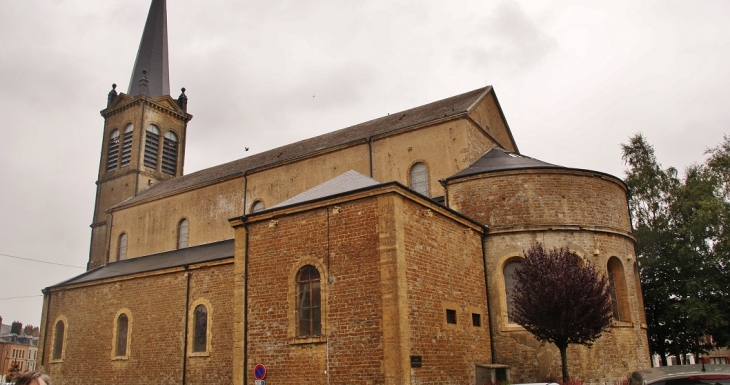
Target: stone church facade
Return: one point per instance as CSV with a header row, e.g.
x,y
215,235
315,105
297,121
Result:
x,y
376,254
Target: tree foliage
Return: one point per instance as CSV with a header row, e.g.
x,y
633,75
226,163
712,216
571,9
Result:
x,y
683,230
559,300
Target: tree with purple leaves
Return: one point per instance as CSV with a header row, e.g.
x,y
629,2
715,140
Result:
x,y
561,298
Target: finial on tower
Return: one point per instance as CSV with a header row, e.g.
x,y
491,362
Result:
x,y
112,95
182,100
152,54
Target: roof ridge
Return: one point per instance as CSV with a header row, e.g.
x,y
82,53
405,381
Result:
x,y
422,114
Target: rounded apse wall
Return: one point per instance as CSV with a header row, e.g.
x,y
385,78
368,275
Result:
x,y
542,198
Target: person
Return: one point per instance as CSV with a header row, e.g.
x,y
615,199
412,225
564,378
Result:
x,y
33,378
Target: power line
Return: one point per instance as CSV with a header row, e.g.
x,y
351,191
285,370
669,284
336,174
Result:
x,y
46,262
27,296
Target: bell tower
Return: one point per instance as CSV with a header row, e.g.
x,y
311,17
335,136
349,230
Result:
x,y
144,133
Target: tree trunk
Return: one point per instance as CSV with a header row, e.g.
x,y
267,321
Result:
x,y
564,359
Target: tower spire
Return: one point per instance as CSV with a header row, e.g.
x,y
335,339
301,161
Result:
x,y
152,54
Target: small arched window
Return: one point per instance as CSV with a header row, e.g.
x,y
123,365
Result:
x,y
58,340
309,302
169,153
200,332
113,151
182,234
122,249
619,294
257,206
509,285
120,349
127,144
151,146
419,178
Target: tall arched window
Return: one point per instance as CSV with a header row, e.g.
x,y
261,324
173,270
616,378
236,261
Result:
x,y
309,302
127,144
419,178
182,234
122,249
619,294
151,146
58,340
120,349
509,285
200,329
112,154
257,206
169,153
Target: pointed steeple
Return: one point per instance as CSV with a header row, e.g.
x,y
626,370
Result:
x,y
152,54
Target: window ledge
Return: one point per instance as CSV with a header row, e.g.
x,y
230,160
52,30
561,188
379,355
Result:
x,y
308,340
199,354
513,328
621,324
56,361
120,358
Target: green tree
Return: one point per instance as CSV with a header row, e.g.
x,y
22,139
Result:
x,y
559,300
683,239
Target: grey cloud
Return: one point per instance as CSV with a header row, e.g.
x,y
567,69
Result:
x,y
510,38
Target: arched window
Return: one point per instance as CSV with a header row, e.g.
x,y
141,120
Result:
x,y
419,178
182,234
257,206
122,249
619,294
58,340
309,302
112,154
200,329
120,349
127,144
151,146
169,153
509,285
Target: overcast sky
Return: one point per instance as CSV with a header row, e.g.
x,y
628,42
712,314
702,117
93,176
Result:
x,y
575,80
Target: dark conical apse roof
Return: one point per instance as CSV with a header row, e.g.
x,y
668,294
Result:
x,y
152,54
499,159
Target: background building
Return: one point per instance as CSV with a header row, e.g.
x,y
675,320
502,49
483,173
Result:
x,y
17,347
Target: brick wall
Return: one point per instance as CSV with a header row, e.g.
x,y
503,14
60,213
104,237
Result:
x,y
389,269
343,250
445,270
156,305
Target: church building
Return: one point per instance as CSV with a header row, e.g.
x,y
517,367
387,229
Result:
x,y
380,253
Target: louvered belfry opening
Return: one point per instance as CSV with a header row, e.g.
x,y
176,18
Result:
x,y
151,146
113,151
127,145
169,153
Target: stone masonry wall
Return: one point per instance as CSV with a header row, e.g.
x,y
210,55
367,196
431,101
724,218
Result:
x,y
157,315
583,211
342,245
542,197
445,270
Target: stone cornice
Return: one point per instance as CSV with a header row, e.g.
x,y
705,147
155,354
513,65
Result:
x,y
138,101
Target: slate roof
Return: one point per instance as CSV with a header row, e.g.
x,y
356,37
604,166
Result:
x,y
152,54
349,181
452,106
499,159
175,258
